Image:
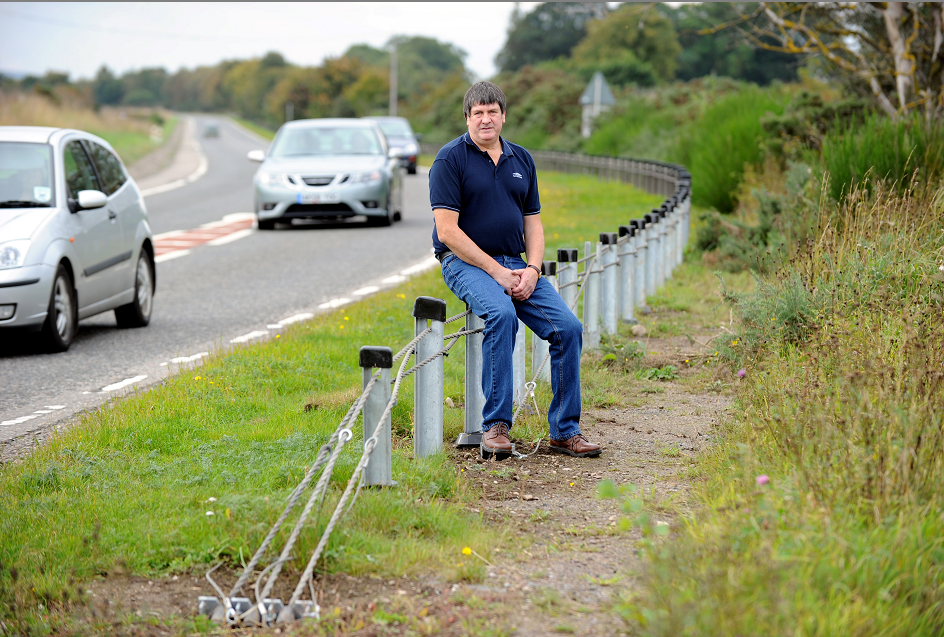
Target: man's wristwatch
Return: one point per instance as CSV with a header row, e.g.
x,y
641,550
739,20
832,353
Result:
x,y
536,269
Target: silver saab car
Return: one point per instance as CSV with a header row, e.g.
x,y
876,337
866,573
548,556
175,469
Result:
x,y
328,169
74,235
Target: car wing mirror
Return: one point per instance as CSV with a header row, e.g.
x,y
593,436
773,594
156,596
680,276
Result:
x,y
256,155
89,199
395,153
418,136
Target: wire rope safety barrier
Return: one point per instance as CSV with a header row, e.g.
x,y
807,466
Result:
x,y
618,273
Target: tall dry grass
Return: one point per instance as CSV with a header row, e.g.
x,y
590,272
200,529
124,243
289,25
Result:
x,y
128,130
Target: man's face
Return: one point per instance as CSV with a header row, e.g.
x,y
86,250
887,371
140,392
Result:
x,y
485,123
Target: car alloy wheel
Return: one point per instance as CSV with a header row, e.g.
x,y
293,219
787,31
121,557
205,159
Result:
x,y
138,312
62,317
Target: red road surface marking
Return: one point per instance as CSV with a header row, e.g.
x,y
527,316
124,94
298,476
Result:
x,y
198,236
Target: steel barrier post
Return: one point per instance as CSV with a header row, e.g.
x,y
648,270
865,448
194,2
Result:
x,y
379,469
627,273
474,396
591,298
518,364
609,294
664,245
567,273
642,261
652,253
428,393
540,347
679,230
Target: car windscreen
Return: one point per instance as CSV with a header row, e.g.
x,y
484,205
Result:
x,y
324,140
26,178
395,128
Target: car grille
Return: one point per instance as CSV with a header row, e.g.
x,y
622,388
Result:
x,y
318,180
319,210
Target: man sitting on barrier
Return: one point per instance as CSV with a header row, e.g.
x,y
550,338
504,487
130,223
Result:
x,y
484,195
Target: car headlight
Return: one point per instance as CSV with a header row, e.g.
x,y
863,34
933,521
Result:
x,y
13,253
411,149
272,179
358,178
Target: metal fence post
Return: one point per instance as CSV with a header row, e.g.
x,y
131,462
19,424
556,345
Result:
x,y
379,469
474,396
664,223
428,394
652,253
540,347
609,294
567,273
642,262
591,297
518,364
627,272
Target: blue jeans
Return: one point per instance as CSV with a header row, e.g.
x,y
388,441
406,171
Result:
x,y
547,316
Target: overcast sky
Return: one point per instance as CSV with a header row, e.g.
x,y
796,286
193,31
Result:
x,y
79,37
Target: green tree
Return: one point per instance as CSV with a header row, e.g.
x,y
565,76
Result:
x,y
631,35
548,32
106,88
726,52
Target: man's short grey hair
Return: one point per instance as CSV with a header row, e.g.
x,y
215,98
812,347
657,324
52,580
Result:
x,y
483,93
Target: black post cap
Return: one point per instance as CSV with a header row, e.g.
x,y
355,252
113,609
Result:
x,y
627,230
567,255
649,219
608,238
638,224
549,268
428,307
372,356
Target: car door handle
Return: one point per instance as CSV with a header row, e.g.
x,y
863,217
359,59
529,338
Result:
x,y
112,214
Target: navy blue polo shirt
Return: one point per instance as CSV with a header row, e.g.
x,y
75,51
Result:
x,y
492,200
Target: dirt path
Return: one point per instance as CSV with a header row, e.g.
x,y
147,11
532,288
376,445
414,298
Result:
x,y
563,578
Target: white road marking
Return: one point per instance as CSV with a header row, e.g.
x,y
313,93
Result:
x,y
235,236
43,411
124,383
167,235
189,359
195,175
396,278
422,266
171,255
370,289
54,406
274,326
245,338
334,303
239,216
17,421
295,318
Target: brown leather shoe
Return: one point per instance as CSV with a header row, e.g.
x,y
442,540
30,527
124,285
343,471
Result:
x,y
496,439
576,446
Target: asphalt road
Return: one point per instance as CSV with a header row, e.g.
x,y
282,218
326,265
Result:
x,y
211,295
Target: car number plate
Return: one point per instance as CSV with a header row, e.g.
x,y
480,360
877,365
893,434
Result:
x,y
320,197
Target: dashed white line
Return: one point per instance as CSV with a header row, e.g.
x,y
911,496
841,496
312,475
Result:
x,y
18,421
396,278
295,318
370,289
334,303
54,406
189,359
171,255
245,338
123,383
422,266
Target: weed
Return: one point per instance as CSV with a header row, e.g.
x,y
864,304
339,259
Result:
x,y
667,372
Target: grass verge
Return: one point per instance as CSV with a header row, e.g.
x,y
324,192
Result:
x,y
820,511
193,472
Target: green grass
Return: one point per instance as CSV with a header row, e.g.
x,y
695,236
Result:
x,y
263,131
133,145
841,411
131,484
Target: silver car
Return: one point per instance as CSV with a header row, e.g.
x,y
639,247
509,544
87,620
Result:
x,y
328,169
74,235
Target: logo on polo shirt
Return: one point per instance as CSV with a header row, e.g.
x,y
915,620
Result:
x,y
518,175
